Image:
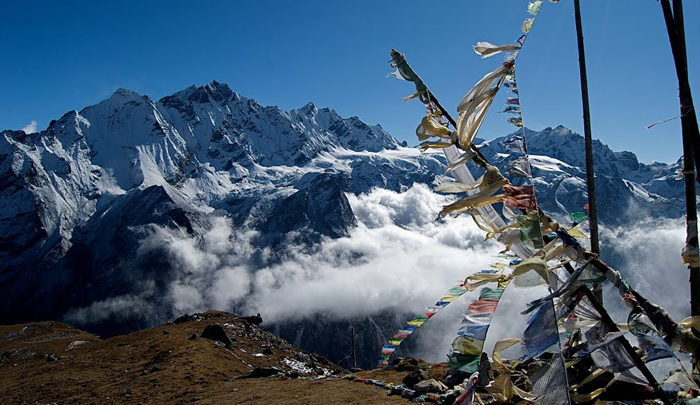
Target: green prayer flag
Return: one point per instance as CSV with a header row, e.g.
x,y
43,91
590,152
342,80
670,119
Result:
x,y
464,362
489,293
530,232
578,217
456,291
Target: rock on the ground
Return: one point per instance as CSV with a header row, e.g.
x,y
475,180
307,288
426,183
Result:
x,y
431,385
217,333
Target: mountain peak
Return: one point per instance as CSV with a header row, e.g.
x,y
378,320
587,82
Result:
x,y
219,91
209,93
309,109
122,94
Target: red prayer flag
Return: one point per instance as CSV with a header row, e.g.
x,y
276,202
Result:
x,y
520,196
483,306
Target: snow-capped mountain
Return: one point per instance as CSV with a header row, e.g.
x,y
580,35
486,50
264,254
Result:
x,y
80,199
626,189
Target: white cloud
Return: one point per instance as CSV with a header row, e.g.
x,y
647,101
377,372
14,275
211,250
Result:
x,y
120,307
397,259
30,128
649,257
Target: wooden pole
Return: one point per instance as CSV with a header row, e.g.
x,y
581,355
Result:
x,y
691,142
352,345
588,142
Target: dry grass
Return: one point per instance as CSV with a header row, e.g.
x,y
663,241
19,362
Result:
x,y
162,365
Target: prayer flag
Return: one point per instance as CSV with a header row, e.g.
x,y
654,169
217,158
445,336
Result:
x,y
515,143
483,306
534,7
491,293
467,345
487,49
578,217
522,197
473,331
520,167
541,331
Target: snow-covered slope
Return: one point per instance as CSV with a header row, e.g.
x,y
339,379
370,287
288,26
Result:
x,y
79,198
627,189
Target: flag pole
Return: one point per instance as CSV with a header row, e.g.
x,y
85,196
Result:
x,y
691,142
588,141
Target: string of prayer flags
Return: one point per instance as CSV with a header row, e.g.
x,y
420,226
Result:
x,y
542,330
561,288
520,167
449,296
468,345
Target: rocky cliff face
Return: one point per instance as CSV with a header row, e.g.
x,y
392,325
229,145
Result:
x,y
79,199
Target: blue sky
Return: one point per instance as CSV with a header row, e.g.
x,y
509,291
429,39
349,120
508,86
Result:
x,y
57,56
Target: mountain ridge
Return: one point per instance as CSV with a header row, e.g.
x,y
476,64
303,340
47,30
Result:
x,y
80,197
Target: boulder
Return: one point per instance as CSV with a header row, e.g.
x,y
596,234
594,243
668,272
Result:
x,y
407,364
259,372
217,333
413,378
454,377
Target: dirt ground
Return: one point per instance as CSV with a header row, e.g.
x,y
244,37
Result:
x,y
41,363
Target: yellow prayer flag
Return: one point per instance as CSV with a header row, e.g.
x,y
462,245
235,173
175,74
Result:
x,y
575,232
